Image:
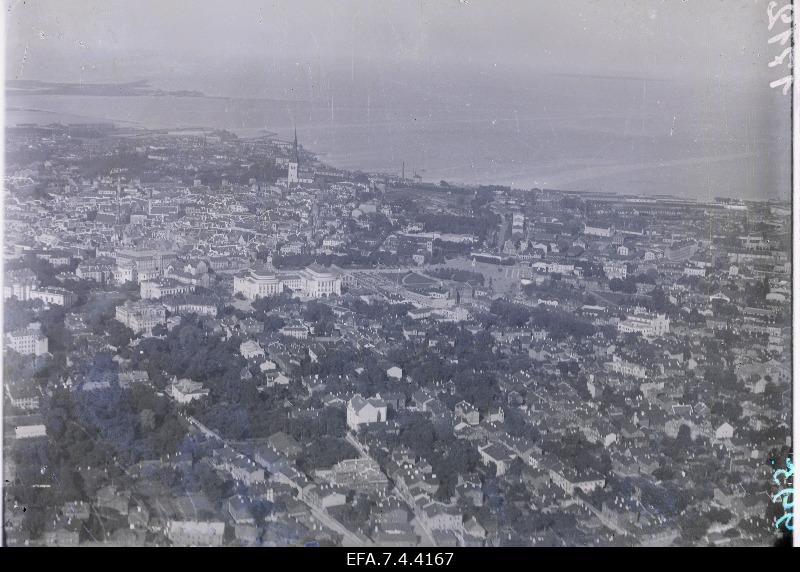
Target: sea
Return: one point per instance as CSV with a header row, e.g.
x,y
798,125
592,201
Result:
x,y
640,135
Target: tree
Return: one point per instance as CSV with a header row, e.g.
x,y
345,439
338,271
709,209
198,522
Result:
x,y
118,334
684,438
33,521
160,330
147,420
325,452
664,473
719,515
418,434
695,317
693,527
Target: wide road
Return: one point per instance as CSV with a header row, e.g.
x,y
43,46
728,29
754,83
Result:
x,y
349,538
417,522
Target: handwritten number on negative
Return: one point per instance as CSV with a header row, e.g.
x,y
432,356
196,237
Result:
x,y
784,14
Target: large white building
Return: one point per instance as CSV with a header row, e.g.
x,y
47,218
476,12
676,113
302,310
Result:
x,y
141,317
553,267
362,411
20,284
313,282
25,398
649,325
53,295
624,367
615,269
259,282
155,289
605,231
28,341
141,265
99,272
693,270
317,282
250,349
24,285
680,250
28,426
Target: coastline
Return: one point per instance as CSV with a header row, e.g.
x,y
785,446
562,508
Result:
x,y
372,148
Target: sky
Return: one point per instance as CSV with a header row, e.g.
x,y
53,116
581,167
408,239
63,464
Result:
x,y
100,40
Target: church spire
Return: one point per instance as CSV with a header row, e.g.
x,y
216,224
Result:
x,y
296,154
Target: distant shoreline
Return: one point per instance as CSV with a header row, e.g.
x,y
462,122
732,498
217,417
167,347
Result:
x,y
341,148
598,193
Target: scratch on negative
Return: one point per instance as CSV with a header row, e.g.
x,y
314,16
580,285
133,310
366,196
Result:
x,y
22,63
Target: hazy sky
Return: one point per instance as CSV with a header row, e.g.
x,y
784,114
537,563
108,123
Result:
x,y
96,40
514,92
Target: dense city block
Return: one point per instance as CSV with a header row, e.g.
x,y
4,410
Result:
x,y
218,340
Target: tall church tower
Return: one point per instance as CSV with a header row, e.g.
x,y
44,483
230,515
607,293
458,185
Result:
x,y
294,165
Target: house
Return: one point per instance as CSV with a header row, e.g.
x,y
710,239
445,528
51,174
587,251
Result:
x,y
390,510
497,455
614,269
474,533
186,390
245,471
62,531
195,532
359,474
467,412
724,431
251,350
598,229
394,400
270,460
394,534
326,495
571,480
27,426
296,330
423,399
127,378
285,444
111,499
395,373
440,516
362,411
495,415
239,510
470,490
624,367
138,517
25,397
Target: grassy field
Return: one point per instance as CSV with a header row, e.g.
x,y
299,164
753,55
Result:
x,y
504,279
437,200
414,280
